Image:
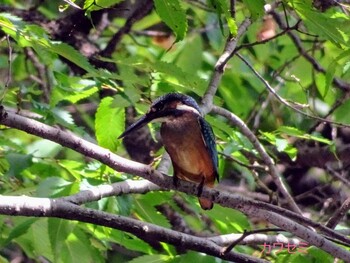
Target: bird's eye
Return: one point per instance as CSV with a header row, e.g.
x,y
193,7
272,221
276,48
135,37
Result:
x,y
159,106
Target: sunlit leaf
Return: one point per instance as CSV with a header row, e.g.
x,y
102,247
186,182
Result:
x,y
109,124
171,12
322,24
332,69
256,8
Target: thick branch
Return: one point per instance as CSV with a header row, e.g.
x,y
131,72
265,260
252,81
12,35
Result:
x,y
45,207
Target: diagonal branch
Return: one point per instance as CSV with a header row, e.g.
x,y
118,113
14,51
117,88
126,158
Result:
x,y
267,159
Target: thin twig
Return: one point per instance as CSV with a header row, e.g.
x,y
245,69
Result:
x,y
249,166
235,242
339,214
338,176
268,39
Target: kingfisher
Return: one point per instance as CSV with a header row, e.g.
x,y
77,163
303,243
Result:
x,y
188,139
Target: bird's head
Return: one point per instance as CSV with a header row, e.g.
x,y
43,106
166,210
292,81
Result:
x,y
165,108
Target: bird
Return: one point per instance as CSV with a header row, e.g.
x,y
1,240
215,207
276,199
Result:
x,y
187,137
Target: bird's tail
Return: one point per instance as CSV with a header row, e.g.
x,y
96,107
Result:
x,y
205,203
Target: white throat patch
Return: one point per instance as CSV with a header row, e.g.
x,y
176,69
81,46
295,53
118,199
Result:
x,y
185,107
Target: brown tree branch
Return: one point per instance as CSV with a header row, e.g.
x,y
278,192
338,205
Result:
x,y
338,215
45,207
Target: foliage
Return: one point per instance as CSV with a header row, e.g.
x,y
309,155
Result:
x,y
56,68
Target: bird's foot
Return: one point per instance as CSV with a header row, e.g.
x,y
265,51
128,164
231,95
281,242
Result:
x,y
200,187
175,181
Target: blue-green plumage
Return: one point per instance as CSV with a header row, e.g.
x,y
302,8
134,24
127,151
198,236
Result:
x,y
187,137
209,138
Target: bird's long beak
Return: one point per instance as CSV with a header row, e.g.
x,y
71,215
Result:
x,y
147,118
137,125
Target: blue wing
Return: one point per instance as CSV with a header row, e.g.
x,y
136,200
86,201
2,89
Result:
x,y
209,140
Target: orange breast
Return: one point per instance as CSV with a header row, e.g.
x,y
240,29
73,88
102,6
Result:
x,y
183,141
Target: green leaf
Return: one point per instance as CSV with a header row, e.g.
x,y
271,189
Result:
x,y
223,219
192,256
292,131
319,138
149,213
62,117
332,69
224,8
77,248
221,7
268,136
55,186
231,23
220,124
36,241
109,124
59,230
44,148
18,162
329,25
131,242
291,151
19,230
4,166
191,56
346,67
72,55
36,37
72,89
171,12
256,8
151,259
318,255
188,81
74,168
93,5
